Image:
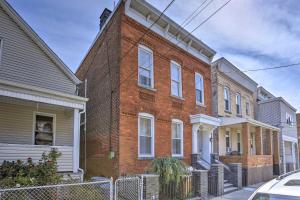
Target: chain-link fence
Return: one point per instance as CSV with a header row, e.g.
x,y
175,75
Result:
x,y
101,190
128,188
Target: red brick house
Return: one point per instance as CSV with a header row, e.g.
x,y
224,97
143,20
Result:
x,y
148,97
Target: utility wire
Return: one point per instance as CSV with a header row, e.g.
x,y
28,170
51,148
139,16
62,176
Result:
x,y
179,41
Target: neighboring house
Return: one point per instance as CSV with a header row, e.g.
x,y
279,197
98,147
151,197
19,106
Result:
x,y
278,112
39,108
298,133
148,97
240,138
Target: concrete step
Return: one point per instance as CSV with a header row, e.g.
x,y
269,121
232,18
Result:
x,y
226,181
230,189
227,185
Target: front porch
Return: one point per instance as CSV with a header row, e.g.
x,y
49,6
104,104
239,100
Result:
x,y
34,121
252,143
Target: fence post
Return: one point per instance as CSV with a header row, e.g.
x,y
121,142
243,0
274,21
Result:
x,y
216,179
200,183
150,186
236,174
111,191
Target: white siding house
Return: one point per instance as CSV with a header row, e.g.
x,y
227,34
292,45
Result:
x,y
39,108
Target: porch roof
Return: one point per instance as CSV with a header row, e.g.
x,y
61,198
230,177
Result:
x,y
226,121
205,119
37,94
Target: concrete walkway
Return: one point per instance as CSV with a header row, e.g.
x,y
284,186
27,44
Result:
x,y
242,194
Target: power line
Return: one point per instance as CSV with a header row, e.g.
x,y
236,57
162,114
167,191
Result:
x,y
179,41
186,19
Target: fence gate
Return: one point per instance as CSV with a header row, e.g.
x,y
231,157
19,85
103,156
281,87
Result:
x,y
128,188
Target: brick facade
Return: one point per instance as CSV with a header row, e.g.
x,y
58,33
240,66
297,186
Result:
x,y
128,99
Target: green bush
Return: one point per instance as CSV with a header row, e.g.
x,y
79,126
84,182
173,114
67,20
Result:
x,y
19,173
170,171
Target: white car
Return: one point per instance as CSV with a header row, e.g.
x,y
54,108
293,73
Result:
x,y
284,187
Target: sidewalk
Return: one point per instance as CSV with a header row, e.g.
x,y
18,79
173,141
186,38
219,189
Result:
x,y
242,194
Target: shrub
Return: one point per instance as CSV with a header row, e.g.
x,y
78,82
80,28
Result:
x,y
170,171
19,173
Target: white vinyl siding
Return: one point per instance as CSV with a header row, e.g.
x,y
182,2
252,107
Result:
x,y
199,86
238,103
176,79
177,138
145,65
24,62
146,135
17,123
227,99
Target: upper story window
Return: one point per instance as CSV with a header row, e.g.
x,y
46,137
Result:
x,y
226,99
146,135
177,138
289,119
145,62
238,103
199,89
248,108
176,82
44,129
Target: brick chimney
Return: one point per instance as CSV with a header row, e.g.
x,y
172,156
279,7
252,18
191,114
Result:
x,y
104,16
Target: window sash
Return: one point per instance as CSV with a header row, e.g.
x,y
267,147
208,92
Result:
x,y
247,108
146,136
145,68
238,103
199,88
177,139
226,99
176,80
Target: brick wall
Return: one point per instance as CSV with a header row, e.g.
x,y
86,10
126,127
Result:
x,y
101,69
134,99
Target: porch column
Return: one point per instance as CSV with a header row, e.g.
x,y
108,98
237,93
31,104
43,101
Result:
x,y
246,139
276,153
269,142
76,140
258,140
194,140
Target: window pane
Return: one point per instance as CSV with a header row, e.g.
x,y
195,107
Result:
x,y
176,146
199,96
176,130
175,88
145,145
175,72
145,127
199,82
44,130
145,77
144,59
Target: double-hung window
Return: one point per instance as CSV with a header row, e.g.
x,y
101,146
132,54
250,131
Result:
x,y
44,129
177,138
248,107
145,62
146,135
289,119
228,142
238,103
226,99
176,81
199,89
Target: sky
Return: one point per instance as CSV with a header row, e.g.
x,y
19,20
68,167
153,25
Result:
x,y
251,34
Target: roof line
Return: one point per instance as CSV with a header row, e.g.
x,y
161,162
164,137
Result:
x,y
39,41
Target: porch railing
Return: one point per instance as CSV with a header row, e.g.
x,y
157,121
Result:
x,y
13,152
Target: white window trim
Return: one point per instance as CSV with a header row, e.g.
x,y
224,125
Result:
x,y
197,102
34,124
177,121
151,117
180,78
229,99
240,102
152,67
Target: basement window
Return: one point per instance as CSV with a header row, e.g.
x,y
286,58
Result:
x,y
44,129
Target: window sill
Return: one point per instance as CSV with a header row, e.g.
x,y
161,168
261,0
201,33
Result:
x,y
176,97
200,104
146,158
147,88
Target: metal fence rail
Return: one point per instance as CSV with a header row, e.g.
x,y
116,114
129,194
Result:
x,y
101,190
128,188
